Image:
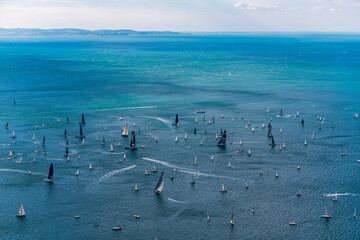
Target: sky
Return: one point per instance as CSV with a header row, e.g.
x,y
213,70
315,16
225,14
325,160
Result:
x,y
185,15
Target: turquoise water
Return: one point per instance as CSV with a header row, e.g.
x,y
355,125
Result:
x,y
147,80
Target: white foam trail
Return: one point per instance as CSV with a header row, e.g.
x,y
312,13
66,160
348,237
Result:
x,y
173,200
186,170
106,176
18,171
337,194
159,119
125,108
177,213
160,162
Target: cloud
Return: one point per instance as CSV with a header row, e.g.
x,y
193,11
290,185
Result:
x,y
254,6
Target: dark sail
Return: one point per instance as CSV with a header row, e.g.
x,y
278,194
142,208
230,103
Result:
x,y
213,120
51,174
272,141
7,125
66,151
269,133
103,142
302,122
132,143
195,131
64,133
67,119
269,126
82,119
160,185
222,141
281,112
176,120
43,142
81,133
67,142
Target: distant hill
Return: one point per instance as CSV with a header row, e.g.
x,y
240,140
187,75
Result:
x,y
77,32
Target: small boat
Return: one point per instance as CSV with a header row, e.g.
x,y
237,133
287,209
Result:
x,y
78,157
204,118
222,141
229,74
20,160
302,123
176,139
13,134
90,167
298,194
272,142
111,148
196,120
276,175
305,143
246,186
68,159
195,131
292,223
283,146
208,217
97,138
77,216
12,155
136,216
253,210
268,109
212,157
263,126
232,120
280,148
136,188
335,198
222,115
189,146
117,228
209,122
253,129
67,120
64,134
171,177
343,154
82,119
58,120
146,172
261,172
38,149
83,142
297,113
249,152
354,215
185,137
193,180
105,129
281,130
223,189
313,136
81,133
232,219
143,146
326,214
125,131
200,111
34,160
33,137
120,118
21,212
332,125
281,113
103,141
77,173
50,175
241,143
194,163
201,142
29,172
229,165
7,125
160,185
154,169
298,167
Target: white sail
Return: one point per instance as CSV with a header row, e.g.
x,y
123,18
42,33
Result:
x,y
125,132
21,211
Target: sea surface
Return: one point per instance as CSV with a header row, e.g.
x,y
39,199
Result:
x,y
146,80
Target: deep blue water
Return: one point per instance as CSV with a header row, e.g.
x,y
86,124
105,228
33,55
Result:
x,y
147,80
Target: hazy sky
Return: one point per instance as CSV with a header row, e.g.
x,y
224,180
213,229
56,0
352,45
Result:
x,y
184,15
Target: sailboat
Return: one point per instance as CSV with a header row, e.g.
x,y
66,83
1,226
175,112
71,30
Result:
x,y
246,186
302,123
194,163
212,157
66,151
33,137
67,120
253,129
268,109
20,160
208,217
12,155
269,126
7,125
29,172
298,167
38,149
34,160
269,133
176,120
136,188
335,198
81,134
90,167
305,143
132,143
111,148
160,185
171,177
21,212
326,214
146,172
298,194
97,138
125,132
196,120
154,169
232,219
64,133
229,165
51,174
223,189
222,141
185,137
193,180
354,215
313,136
281,113
82,119
77,173
272,142
83,142
276,175
222,115
332,125
43,142
13,134
103,141
195,131
176,139
249,152
281,130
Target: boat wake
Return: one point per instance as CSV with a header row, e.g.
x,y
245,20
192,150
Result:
x,y
205,174
17,171
337,194
165,121
126,108
160,162
173,200
106,176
